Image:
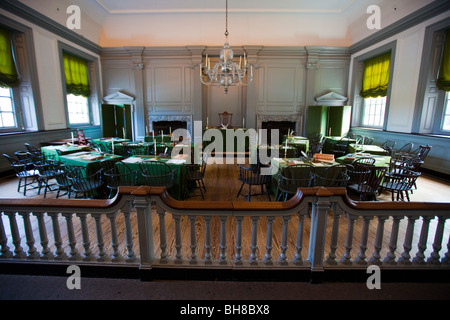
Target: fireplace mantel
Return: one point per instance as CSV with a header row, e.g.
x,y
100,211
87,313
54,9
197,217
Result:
x,y
296,117
156,118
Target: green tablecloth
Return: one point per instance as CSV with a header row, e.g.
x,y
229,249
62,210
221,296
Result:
x,y
319,169
330,143
380,161
81,159
50,152
177,190
159,139
372,149
224,133
106,142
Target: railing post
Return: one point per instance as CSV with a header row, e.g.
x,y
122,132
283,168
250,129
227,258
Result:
x,y
18,251
145,229
32,252
126,209
317,237
4,252
331,259
46,253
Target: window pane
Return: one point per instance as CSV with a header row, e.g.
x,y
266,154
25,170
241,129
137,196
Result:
x,y
373,113
7,116
446,120
5,104
78,109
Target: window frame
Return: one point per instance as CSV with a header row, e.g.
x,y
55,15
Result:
x,y
29,116
430,101
357,76
94,76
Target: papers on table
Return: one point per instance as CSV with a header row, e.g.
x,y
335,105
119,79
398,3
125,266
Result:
x,y
79,154
92,157
132,160
176,161
279,160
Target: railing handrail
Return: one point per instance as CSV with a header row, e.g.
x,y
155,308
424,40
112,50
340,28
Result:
x,y
296,200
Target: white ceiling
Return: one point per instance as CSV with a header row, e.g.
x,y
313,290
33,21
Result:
x,y
113,23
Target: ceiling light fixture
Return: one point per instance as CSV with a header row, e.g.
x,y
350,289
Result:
x,y
226,73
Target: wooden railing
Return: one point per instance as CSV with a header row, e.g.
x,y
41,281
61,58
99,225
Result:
x,y
144,227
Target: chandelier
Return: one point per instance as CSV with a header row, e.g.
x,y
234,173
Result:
x,y
226,73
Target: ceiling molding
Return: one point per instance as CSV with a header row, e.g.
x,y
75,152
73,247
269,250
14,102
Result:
x,y
427,12
221,10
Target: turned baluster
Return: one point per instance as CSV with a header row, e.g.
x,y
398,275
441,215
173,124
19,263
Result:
x,y
102,256
238,255
407,244
131,257
376,257
208,256
223,240
254,241
18,251
390,258
46,253
437,244
87,256
178,255
331,259
283,258
59,253
347,258
116,256
269,241
298,260
422,245
4,252
162,234
32,251
73,254
361,258
446,258
193,255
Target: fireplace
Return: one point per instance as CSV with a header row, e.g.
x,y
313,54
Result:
x,y
168,126
169,122
283,128
283,123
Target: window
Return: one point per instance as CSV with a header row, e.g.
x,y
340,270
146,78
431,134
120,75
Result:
x,y
373,112
78,109
7,111
446,114
78,90
375,82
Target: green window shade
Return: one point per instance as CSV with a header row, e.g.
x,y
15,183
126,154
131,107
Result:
x,y
443,81
376,76
76,72
8,73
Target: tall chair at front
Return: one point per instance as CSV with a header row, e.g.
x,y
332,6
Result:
x,y
293,177
252,177
226,118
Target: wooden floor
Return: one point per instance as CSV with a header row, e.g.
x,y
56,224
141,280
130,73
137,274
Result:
x,y
222,185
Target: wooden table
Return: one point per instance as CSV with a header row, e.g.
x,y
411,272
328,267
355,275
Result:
x,y
51,152
88,159
367,148
179,183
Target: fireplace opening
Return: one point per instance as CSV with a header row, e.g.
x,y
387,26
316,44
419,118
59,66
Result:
x,y
283,128
166,127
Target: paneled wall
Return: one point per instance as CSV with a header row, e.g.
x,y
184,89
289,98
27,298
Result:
x,y
165,82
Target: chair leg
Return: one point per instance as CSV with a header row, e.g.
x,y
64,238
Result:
x,y
239,192
249,191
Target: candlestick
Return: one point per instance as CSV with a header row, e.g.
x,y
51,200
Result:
x,y
206,122
170,130
243,123
153,134
123,129
154,143
72,137
162,136
112,146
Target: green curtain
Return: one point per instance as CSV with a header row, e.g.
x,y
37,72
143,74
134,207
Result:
x,y
443,81
376,76
9,77
76,72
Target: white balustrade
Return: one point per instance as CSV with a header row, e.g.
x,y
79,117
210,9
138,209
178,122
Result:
x,y
206,237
